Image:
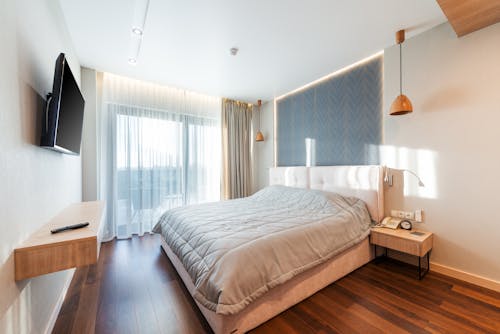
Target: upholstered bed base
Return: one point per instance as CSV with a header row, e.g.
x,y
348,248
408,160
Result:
x,y
283,296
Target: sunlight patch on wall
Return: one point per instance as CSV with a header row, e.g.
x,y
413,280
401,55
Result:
x,y
420,161
310,152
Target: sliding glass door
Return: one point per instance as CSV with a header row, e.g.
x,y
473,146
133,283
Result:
x,y
163,160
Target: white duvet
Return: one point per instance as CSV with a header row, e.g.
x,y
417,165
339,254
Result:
x,y
235,251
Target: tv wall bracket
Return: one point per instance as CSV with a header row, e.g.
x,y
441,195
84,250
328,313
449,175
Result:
x,y
49,98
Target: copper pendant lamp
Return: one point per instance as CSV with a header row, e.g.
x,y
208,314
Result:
x,y
259,136
402,104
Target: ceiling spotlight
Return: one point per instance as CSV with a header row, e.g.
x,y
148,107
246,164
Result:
x,y
137,31
132,61
233,51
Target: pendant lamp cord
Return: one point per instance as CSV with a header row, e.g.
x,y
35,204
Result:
x,y
259,119
400,71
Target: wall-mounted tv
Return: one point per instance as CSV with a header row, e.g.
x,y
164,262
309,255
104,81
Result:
x,y
63,119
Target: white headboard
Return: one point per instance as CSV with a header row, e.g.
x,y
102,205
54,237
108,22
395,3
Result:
x,y
364,182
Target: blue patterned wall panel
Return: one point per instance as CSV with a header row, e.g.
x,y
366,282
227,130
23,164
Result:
x,y
342,116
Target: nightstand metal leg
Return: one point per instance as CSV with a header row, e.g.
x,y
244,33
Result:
x,y
419,269
420,273
375,248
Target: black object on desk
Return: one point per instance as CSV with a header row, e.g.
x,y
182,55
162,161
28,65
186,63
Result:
x,y
69,227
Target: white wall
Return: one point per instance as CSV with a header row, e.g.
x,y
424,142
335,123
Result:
x,y
264,151
452,140
89,135
35,183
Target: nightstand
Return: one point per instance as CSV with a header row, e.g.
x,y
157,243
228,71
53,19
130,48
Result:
x,y
408,242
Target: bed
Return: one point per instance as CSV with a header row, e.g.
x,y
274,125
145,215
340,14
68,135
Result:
x,y
245,302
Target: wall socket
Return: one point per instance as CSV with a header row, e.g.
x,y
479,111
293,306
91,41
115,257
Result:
x,y
411,215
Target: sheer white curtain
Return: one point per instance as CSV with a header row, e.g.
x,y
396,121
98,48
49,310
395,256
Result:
x,y
160,148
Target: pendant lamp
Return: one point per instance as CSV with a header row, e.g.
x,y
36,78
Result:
x,y
259,136
401,104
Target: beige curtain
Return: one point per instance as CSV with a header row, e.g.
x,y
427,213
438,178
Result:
x,y
236,149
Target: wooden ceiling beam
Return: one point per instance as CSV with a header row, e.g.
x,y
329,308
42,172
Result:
x,y
467,16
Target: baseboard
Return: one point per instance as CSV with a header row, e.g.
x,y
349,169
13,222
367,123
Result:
x,y
60,301
465,276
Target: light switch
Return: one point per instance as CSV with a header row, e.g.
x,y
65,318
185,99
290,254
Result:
x,y
418,215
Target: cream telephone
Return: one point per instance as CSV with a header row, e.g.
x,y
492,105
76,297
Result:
x,y
394,223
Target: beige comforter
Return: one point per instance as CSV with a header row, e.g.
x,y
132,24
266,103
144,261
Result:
x,y
237,250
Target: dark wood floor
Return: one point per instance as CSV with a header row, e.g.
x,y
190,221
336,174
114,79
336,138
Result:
x,y
135,289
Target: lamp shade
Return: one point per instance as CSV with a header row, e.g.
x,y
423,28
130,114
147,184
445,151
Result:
x,y
401,106
259,136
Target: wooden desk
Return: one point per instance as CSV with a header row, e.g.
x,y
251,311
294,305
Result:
x,y
45,253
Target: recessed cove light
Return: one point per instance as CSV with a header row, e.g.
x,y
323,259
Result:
x,y
137,31
132,61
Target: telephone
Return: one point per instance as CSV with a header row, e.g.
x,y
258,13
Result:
x,y
391,222
394,223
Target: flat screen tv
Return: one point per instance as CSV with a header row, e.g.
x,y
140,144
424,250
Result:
x,y
63,119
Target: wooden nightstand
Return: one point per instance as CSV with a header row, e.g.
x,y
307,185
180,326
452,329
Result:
x,y
404,241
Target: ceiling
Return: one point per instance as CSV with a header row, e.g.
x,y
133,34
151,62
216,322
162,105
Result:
x,y
283,44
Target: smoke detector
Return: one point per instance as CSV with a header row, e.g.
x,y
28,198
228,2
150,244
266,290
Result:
x,y
233,51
